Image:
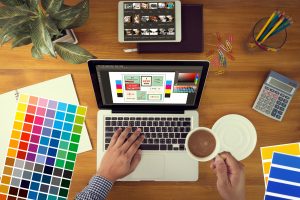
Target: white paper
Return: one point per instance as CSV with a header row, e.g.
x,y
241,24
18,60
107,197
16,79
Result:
x,y
60,89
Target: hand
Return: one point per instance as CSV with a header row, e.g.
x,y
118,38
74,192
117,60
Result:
x,y
230,175
122,156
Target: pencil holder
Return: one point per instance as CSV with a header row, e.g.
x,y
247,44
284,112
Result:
x,y
274,43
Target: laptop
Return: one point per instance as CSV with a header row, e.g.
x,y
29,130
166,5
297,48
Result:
x,y
161,98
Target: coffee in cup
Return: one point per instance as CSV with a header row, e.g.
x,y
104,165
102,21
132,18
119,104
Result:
x,y
202,144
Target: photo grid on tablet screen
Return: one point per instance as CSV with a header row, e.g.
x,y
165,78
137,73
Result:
x,y
149,21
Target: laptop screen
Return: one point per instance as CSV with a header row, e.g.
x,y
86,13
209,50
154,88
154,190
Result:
x,y
130,84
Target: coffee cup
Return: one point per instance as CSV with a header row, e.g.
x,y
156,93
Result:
x,y
202,144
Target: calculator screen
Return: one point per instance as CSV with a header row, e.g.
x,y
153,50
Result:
x,y
281,85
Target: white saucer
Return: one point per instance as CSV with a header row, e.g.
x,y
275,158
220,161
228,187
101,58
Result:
x,y
237,135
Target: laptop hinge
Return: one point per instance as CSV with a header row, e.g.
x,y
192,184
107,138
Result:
x,y
150,111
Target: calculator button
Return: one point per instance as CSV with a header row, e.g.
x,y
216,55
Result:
x,y
283,105
278,116
279,112
281,108
277,106
276,92
280,98
285,100
266,87
268,112
274,112
272,90
287,97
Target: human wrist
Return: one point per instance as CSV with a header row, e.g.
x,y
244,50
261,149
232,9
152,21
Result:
x,y
105,175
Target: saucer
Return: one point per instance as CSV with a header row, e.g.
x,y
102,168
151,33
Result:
x,y
237,135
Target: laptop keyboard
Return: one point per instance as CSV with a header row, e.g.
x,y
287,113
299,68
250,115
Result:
x,y
161,133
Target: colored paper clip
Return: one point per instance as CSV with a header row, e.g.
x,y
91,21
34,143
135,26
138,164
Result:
x,y
220,72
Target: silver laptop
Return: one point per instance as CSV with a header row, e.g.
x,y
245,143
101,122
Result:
x,y
161,98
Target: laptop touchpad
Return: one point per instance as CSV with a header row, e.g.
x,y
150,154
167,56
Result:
x,y
151,167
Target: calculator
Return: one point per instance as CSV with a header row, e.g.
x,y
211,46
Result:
x,y
275,96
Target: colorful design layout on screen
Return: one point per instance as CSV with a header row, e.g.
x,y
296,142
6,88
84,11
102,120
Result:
x,y
42,150
153,87
284,178
267,153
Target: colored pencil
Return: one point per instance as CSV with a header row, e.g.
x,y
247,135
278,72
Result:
x,y
265,26
273,29
281,28
271,25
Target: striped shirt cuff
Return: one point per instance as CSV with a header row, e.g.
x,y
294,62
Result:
x,y
98,188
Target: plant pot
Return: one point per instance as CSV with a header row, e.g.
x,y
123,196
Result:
x,y
68,36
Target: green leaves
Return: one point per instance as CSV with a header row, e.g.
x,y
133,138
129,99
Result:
x,y
52,6
7,13
21,40
40,36
14,25
36,53
72,53
24,22
33,4
72,16
12,2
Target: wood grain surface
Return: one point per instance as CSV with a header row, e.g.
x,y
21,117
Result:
x,y
233,92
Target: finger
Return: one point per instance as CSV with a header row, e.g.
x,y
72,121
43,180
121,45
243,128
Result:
x,y
134,147
115,137
233,165
212,165
136,160
123,137
221,170
131,140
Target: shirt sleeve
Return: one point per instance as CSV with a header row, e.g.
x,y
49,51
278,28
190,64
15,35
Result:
x,y
97,189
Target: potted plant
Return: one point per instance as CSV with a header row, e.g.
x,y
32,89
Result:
x,y
42,24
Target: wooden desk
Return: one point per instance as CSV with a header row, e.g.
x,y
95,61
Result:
x,y
233,92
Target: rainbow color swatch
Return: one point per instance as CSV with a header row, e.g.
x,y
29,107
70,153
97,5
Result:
x,y
267,154
168,89
42,149
119,88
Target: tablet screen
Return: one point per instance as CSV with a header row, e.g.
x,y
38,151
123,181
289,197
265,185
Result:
x,y
149,21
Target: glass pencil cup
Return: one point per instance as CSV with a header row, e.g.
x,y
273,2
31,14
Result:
x,y
273,43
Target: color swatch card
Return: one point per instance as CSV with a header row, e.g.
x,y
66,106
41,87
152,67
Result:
x,y
42,149
267,153
284,178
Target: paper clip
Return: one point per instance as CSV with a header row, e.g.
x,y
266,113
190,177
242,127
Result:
x,y
220,72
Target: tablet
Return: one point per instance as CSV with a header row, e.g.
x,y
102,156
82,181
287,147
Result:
x,y
149,21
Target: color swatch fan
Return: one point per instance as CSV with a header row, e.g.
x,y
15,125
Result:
x,y
42,149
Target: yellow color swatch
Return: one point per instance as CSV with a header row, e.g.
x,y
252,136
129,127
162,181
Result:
x,y
11,153
267,154
119,91
5,179
23,98
168,91
13,144
16,134
18,125
20,116
4,189
22,107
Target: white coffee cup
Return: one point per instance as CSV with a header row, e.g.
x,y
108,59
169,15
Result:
x,y
209,157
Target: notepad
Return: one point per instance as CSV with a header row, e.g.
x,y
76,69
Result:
x,y
60,89
284,178
42,149
267,153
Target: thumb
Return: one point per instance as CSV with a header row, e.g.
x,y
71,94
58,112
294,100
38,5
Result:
x,y
135,160
221,170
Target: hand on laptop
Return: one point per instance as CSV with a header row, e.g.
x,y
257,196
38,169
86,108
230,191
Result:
x,y
121,157
230,175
